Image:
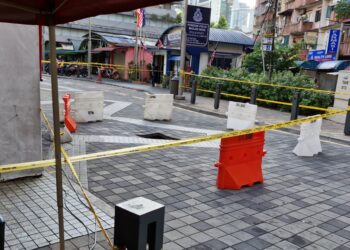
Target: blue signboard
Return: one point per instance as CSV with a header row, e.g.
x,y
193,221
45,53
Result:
x,y
320,56
197,27
333,41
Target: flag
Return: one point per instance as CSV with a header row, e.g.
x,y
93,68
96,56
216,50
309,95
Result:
x,y
213,55
140,18
160,44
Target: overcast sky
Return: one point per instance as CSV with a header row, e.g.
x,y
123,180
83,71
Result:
x,y
249,2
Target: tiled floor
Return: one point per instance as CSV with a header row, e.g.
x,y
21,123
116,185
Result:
x,y
304,203
30,210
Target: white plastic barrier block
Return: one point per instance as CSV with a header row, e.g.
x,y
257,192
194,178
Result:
x,y
241,115
158,106
309,143
88,106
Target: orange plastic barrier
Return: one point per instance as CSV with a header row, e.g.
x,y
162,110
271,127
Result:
x,y
68,119
240,161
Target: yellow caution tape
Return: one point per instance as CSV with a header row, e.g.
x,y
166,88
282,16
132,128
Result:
x,y
107,65
91,207
265,84
266,100
146,148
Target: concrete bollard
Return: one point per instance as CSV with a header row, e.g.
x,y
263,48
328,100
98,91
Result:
x,y
217,95
193,92
253,95
295,106
139,222
2,233
347,122
174,86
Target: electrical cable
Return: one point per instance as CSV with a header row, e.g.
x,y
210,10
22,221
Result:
x,y
91,247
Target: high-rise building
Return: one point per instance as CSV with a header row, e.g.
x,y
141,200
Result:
x,y
241,17
238,14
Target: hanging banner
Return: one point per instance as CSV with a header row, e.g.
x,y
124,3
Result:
x,y
333,41
197,26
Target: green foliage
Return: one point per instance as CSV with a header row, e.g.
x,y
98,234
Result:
x,y
282,78
222,23
342,9
179,17
283,58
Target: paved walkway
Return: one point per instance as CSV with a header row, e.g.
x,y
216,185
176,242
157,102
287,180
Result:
x,y
303,203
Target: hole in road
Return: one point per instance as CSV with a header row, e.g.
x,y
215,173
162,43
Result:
x,y
158,136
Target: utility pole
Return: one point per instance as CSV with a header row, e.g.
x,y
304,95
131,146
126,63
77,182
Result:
x,y
183,50
273,37
340,38
89,50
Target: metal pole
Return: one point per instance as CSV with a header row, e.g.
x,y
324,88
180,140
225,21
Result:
x,y
56,128
89,50
253,95
136,50
183,49
193,92
347,122
273,38
295,106
217,96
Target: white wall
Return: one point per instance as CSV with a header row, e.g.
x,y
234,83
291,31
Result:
x,y
20,126
203,61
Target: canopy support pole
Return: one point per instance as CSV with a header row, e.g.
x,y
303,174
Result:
x,y
56,128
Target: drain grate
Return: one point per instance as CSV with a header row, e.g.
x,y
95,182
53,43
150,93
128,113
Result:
x,y
158,136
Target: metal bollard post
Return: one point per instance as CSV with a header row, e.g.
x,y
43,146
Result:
x,y
347,122
217,95
2,233
253,95
295,106
193,91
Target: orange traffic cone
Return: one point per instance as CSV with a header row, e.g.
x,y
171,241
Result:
x,y
68,119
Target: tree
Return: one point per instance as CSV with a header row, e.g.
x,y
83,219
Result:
x,y
283,58
222,24
342,9
179,17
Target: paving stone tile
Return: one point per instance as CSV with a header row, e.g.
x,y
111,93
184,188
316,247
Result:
x,y
201,237
229,240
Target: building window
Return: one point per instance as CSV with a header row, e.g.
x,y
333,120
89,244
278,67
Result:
x,y
330,9
318,16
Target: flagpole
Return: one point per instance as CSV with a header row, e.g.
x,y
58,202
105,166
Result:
x,y
136,45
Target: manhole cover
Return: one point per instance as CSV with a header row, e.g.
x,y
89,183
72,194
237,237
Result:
x,y
158,136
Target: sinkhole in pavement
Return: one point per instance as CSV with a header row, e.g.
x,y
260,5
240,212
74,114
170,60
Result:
x,y
158,136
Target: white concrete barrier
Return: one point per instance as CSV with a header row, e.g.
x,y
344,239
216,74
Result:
x,y
158,106
309,143
88,106
241,115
